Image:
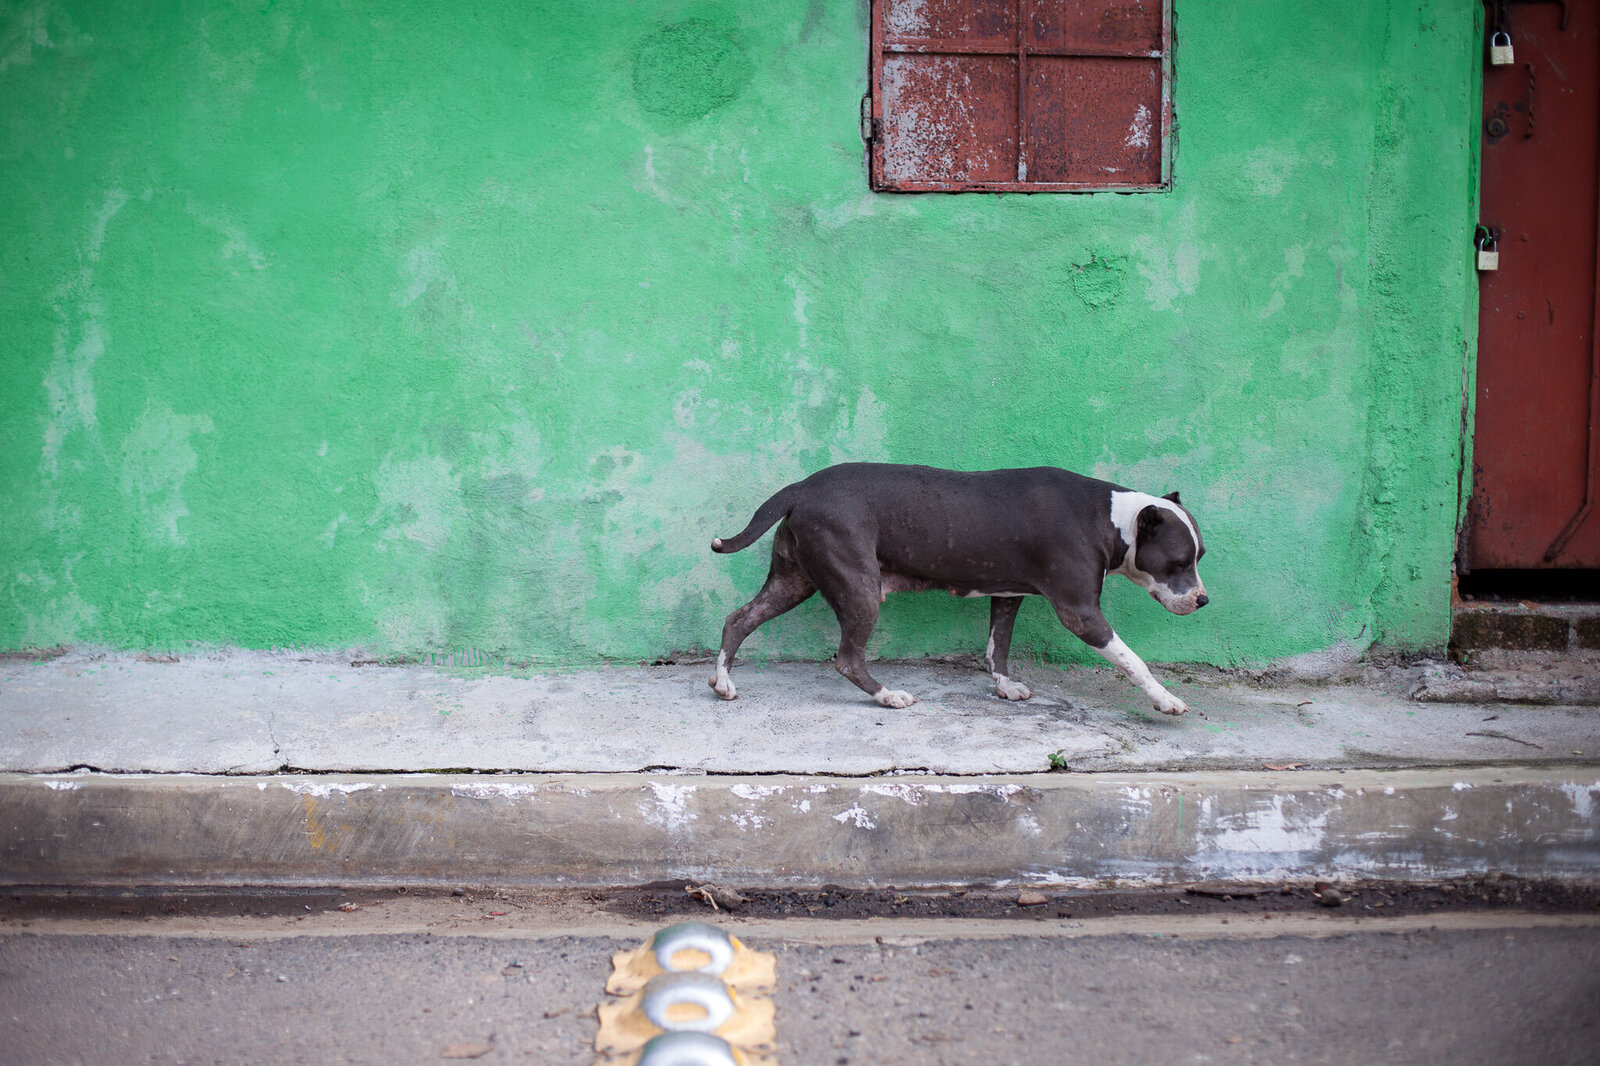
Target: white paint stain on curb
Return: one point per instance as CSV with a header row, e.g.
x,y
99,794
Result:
x,y
757,792
511,790
322,790
1582,797
858,815
671,811
911,794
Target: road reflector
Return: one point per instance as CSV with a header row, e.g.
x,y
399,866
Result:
x,y
694,947
686,1002
691,995
689,1049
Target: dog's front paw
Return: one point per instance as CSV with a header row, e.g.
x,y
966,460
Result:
x,y
1167,703
722,685
1008,689
894,698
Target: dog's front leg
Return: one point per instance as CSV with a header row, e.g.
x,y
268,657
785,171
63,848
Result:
x,y
1122,657
1091,627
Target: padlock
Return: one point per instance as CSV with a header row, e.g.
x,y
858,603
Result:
x,y
1488,254
1500,54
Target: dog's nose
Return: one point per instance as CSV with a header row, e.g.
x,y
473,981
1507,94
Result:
x,y
1201,600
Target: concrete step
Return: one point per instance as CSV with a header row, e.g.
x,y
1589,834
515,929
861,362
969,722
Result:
x,y
777,830
1524,626
1519,652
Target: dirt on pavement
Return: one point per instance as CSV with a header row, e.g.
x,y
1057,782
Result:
x,y
675,901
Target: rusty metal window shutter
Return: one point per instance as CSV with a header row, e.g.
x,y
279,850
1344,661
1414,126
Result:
x,y
1020,95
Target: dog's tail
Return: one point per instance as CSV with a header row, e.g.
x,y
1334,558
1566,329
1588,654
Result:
x,y
765,518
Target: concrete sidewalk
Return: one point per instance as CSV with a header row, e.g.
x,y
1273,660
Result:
x,y
252,767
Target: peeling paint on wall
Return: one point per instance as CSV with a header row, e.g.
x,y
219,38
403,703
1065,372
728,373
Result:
x,y
156,458
79,340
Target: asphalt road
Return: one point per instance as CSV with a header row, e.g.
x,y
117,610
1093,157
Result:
x,y
456,977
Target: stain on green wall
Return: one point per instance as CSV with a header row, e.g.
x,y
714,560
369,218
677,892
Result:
x,y
687,70
334,324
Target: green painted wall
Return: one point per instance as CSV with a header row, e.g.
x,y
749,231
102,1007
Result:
x,y
390,325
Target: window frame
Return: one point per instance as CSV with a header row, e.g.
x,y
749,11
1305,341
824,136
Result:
x,y
883,46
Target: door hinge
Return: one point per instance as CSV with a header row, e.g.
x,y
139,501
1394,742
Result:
x,y
869,125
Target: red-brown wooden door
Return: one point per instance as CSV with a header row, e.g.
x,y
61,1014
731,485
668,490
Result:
x,y
1536,453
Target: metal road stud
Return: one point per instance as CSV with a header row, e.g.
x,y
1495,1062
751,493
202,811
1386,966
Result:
x,y
693,936
687,1049
700,990
691,995
694,947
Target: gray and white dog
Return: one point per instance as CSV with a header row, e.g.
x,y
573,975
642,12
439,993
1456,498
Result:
x,y
859,531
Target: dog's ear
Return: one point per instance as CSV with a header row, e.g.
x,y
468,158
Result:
x,y
1149,519
1173,496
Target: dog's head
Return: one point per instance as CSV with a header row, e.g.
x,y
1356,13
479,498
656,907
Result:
x,y
1167,547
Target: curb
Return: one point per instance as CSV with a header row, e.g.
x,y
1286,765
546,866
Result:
x,y
911,831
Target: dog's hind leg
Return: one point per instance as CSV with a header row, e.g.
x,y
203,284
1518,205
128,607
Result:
x,y
850,579
1002,616
857,617
786,588
853,592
